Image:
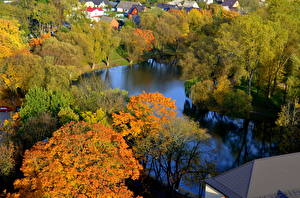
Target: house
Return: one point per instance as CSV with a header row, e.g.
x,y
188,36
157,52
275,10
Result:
x,y
136,9
208,1
95,3
124,6
112,21
166,7
231,5
271,177
175,3
190,4
113,3
190,9
94,13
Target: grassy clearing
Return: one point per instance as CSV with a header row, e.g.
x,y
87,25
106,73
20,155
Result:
x,y
117,60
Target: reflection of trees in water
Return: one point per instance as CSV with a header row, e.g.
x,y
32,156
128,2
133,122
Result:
x,y
107,78
151,76
245,139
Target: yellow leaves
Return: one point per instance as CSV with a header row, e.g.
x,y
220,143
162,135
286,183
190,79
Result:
x,y
198,18
98,117
10,38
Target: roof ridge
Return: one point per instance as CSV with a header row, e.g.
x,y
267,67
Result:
x,y
250,178
228,171
277,156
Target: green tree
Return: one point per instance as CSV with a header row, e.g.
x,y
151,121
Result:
x,y
67,115
92,93
46,15
39,100
97,41
247,42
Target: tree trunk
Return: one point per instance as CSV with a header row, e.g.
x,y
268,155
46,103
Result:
x,y
130,62
107,62
250,83
93,65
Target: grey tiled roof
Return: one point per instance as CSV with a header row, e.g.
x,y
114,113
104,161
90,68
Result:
x,y
127,4
229,3
261,177
96,2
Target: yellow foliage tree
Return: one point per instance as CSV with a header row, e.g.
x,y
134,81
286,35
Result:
x,y
10,38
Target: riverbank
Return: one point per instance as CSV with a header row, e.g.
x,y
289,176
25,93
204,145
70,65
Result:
x,y
115,61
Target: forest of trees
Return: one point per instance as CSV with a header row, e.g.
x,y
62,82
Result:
x,y
77,137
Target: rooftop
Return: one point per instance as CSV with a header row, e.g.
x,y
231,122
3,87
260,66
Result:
x,y
264,177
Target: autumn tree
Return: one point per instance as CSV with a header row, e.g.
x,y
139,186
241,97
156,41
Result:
x,y
167,146
22,71
133,44
80,160
39,41
145,114
167,27
11,38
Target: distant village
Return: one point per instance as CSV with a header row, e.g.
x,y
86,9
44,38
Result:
x,y
116,13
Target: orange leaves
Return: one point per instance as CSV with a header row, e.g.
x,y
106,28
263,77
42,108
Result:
x,y
228,14
147,35
39,41
146,113
80,160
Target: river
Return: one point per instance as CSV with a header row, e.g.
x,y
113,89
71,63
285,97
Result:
x,y
233,141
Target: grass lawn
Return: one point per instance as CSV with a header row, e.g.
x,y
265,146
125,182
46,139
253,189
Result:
x,y
117,60
76,71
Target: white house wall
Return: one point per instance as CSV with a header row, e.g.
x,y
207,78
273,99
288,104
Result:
x,y
212,193
95,13
236,5
209,1
195,5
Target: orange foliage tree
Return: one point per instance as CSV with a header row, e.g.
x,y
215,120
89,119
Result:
x,y
145,115
147,35
80,160
39,41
